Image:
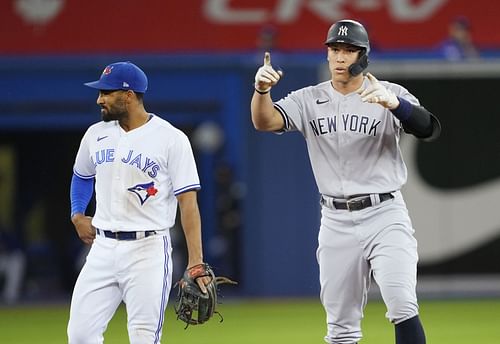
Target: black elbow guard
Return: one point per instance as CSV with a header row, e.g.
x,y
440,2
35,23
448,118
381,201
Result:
x,y
422,123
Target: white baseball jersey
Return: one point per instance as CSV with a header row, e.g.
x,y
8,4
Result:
x,y
138,173
353,146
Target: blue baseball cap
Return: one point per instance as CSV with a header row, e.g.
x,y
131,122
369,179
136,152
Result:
x,y
121,76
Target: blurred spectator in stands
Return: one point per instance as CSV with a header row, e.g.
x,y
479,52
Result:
x,y
459,45
12,259
267,40
227,241
12,267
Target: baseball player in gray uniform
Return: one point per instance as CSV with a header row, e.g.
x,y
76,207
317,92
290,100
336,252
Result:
x,y
352,125
143,168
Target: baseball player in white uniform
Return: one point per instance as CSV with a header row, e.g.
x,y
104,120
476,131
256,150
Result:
x,y
352,126
143,167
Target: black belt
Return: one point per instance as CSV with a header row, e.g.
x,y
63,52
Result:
x,y
125,235
358,202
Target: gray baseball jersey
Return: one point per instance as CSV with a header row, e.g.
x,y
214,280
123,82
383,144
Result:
x,y
353,146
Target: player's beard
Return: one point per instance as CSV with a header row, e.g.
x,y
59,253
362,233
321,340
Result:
x,y
116,112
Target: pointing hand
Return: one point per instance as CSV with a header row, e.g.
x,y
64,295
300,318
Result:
x,y
377,93
266,76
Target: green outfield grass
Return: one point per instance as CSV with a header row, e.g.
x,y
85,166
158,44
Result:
x,y
268,321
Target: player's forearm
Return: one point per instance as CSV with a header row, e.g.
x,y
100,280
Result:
x,y
191,225
264,115
192,231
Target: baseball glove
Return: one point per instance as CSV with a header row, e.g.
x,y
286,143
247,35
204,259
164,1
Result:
x,y
193,306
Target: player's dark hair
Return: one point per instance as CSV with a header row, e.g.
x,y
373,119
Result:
x,y
140,97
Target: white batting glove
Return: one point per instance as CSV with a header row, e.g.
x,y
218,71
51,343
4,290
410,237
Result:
x,y
377,93
266,77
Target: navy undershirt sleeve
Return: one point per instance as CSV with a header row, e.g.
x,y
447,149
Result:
x,y
80,193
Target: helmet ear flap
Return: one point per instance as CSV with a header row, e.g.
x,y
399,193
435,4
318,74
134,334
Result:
x,y
360,65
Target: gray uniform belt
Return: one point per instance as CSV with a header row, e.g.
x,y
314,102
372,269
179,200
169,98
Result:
x,y
125,235
357,202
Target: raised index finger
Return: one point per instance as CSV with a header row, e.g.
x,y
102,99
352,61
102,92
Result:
x,y
267,58
371,78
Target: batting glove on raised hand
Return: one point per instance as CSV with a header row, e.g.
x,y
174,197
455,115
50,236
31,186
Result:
x,y
266,77
377,93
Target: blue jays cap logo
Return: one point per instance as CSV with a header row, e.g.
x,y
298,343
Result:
x,y
144,191
107,70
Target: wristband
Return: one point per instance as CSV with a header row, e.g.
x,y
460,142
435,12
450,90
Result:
x,y
263,92
403,111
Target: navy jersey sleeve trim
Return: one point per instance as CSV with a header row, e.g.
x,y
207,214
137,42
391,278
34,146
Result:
x,y
187,188
83,176
285,117
80,193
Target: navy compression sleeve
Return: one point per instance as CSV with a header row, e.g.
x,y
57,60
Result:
x,y
80,194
